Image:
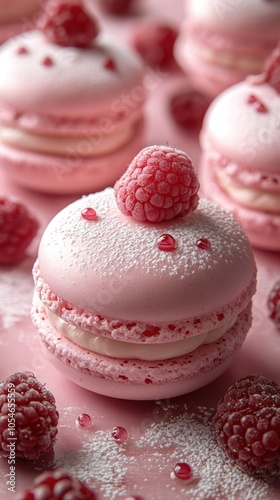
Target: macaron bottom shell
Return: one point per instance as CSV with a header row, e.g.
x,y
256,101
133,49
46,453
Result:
x,y
262,228
136,379
70,174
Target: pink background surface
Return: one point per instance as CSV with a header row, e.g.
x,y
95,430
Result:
x,y
161,433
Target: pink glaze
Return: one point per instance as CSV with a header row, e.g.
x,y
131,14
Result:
x,y
114,268
136,379
237,36
240,140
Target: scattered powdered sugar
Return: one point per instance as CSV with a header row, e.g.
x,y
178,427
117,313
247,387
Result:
x,y
144,465
16,290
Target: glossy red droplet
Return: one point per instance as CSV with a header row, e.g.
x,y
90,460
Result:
x,y
262,108
84,420
110,64
119,433
48,61
22,50
259,105
89,214
252,99
203,244
183,471
166,242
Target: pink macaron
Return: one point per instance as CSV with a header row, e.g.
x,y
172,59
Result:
x,y
71,103
16,16
144,291
221,42
240,166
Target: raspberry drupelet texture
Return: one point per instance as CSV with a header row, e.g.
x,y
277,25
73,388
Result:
x,y
247,425
66,23
273,304
57,485
35,415
159,184
17,229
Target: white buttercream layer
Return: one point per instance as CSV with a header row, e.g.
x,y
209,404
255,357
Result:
x,y
228,59
85,145
257,199
127,350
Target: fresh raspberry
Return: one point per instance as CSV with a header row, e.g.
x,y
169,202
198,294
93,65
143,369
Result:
x,y
247,425
272,69
188,108
66,23
273,304
159,184
28,416
155,42
17,229
116,7
57,485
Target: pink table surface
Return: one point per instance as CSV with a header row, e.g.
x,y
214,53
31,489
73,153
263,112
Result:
x,y
161,433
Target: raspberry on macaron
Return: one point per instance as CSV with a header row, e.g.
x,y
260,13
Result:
x,y
159,184
67,23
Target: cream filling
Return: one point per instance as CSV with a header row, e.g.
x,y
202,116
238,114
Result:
x,y
229,59
85,145
256,199
126,350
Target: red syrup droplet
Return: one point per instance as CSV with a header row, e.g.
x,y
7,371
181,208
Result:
x,y
48,61
252,99
22,50
166,242
110,64
203,244
89,214
183,471
260,106
84,420
119,433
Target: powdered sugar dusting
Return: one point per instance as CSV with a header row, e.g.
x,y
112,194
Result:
x,y
16,290
155,448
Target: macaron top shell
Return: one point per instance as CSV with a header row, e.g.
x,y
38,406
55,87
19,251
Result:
x,y
240,130
241,18
113,266
44,85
